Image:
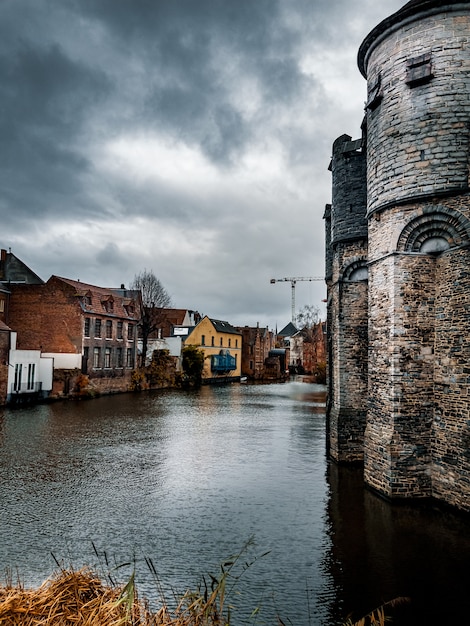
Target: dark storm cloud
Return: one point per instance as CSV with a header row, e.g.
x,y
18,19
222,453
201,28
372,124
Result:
x,y
45,99
194,54
191,137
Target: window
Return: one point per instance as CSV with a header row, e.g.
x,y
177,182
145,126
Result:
x,y
129,357
130,332
96,357
119,330
107,358
31,372
97,328
18,373
212,340
221,341
119,361
109,329
229,343
86,330
2,306
375,95
419,70
236,343
203,340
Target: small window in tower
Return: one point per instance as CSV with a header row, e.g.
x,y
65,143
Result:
x,y
419,70
375,95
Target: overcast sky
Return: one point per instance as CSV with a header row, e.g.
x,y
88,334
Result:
x,y
187,137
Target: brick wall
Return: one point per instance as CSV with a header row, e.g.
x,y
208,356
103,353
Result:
x,y
45,318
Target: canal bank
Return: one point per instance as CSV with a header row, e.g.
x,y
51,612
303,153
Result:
x,y
186,478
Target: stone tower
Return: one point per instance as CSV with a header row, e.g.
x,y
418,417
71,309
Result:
x,y
414,238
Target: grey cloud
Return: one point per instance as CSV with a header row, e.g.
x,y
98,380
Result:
x,y
77,74
46,100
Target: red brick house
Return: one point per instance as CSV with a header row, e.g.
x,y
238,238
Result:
x,y
89,331
256,346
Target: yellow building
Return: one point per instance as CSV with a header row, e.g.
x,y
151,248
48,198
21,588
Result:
x,y
222,347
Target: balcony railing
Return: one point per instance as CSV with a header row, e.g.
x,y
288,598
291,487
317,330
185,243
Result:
x,y
223,363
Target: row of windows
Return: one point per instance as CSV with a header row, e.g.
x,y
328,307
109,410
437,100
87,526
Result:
x,y
229,344
108,329
109,357
108,305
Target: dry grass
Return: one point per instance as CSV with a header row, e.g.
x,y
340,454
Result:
x,y
72,598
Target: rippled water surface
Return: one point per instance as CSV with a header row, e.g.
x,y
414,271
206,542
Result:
x,y
187,478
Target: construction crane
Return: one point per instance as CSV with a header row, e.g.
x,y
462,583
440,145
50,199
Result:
x,y
293,282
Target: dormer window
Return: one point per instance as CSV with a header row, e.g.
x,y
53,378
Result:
x,y
86,299
419,70
108,305
129,308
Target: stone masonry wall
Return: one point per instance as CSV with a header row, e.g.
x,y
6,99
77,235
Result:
x,y
348,209
401,360
346,228
348,331
451,427
399,335
418,426
418,136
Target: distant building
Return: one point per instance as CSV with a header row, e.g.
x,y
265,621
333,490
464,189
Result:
x,y
172,326
25,375
222,347
256,345
90,332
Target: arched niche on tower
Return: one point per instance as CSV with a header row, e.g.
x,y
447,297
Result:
x,y
435,230
356,271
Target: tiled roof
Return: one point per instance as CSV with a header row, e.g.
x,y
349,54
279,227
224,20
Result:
x,y
224,327
288,331
109,301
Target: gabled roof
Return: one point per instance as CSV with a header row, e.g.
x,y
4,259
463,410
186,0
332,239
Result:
x,y
288,331
174,317
109,301
13,270
224,327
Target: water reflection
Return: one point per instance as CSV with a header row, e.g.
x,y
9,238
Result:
x,y
186,478
380,552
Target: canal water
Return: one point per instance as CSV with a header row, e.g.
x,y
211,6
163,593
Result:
x,y
187,480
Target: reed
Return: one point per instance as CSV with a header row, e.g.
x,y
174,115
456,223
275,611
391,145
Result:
x,y
72,597
80,597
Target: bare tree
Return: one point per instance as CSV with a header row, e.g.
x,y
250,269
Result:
x,y
154,298
308,317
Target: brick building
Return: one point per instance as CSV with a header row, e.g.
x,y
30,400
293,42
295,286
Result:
x,y
25,374
398,259
256,345
90,332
